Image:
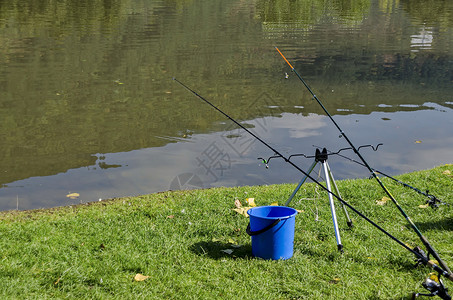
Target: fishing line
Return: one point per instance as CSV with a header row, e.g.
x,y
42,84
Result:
x,y
373,173
422,258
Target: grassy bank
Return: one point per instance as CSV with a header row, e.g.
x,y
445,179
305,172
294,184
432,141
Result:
x,y
176,238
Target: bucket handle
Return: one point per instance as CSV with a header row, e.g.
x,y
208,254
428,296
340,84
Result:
x,y
251,233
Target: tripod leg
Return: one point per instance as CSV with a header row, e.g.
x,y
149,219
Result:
x,y
332,208
300,183
349,222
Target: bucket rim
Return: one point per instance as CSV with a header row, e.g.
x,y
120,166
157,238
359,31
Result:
x,y
294,212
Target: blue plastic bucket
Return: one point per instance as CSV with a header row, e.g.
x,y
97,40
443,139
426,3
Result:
x,y
272,231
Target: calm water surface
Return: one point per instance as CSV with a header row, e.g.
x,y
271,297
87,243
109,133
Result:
x,y
88,104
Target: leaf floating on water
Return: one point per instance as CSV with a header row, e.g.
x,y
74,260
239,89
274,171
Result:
x,y
383,201
73,195
140,277
418,142
251,202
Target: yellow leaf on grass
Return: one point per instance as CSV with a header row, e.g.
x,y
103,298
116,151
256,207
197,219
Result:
x,y
446,172
250,202
237,203
274,203
335,280
242,210
140,277
382,201
73,195
423,206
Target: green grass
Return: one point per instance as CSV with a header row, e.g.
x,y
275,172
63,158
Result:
x,y
95,250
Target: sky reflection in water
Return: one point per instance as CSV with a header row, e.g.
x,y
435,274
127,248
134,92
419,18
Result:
x,y
408,145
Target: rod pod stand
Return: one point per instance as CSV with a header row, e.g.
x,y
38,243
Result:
x,y
321,157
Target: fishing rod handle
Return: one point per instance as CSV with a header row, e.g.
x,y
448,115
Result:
x,y
442,272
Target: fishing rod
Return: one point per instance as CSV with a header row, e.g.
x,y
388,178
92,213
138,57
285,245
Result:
x,y
373,173
432,201
422,258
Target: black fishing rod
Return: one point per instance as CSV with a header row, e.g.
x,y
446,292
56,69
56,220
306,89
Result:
x,y
373,173
422,259
432,201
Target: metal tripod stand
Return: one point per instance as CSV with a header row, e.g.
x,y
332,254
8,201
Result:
x,y
321,157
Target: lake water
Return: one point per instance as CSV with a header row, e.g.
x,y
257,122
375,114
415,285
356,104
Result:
x,y
88,104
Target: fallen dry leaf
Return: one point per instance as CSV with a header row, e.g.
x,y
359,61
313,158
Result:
x,y
242,210
274,203
335,280
237,203
251,202
140,277
424,206
383,201
73,195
